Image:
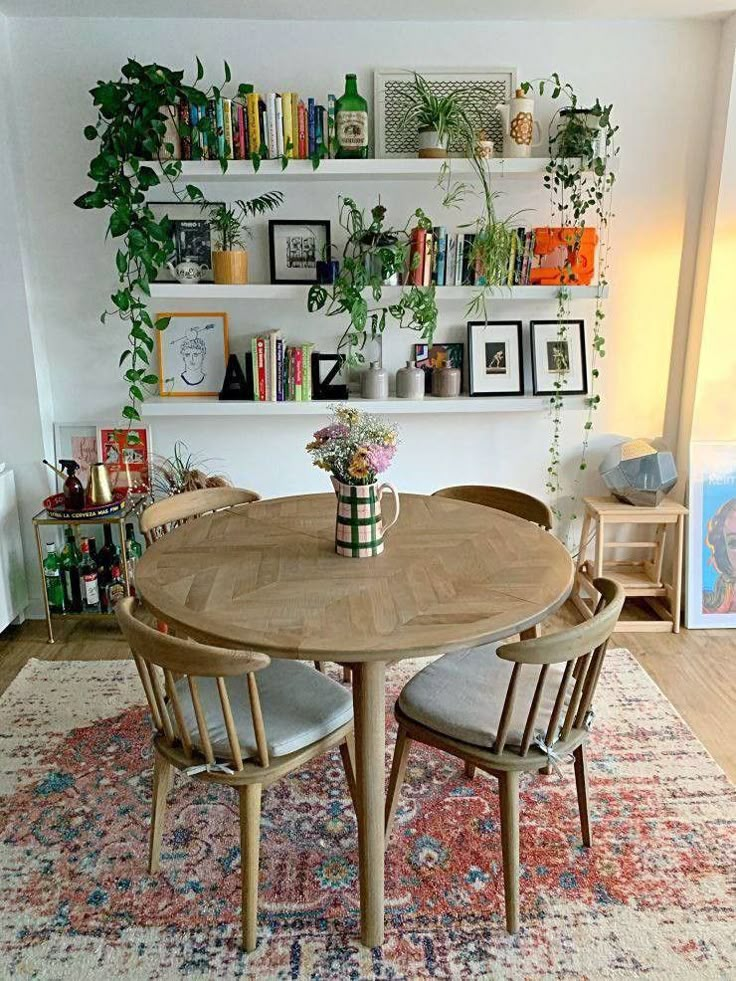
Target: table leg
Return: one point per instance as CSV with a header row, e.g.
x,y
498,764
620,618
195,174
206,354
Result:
x,y
369,704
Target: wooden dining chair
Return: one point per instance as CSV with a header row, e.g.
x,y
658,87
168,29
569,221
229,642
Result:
x,y
235,718
161,517
511,709
502,499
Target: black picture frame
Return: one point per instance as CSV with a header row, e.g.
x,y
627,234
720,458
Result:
x,y
578,337
319,253
192,234
473,353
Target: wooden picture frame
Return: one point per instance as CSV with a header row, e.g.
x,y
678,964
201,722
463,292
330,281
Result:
x,y
305,255
212,364
546,346
486,377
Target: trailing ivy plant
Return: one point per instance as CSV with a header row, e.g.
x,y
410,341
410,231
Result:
x,y
132,156
373,254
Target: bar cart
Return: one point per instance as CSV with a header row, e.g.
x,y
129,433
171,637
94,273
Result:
x,y
117,518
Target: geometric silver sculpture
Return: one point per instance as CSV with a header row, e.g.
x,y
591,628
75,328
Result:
x,y
636,472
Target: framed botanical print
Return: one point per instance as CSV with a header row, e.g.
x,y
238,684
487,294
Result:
x,y
295,246
192,354
495,359
192,235
557,357
711,552
128,463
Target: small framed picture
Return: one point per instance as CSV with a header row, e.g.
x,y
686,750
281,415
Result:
x,y
76,441
192,354
128,463
192,237
558,356
495,359
295,246
430,356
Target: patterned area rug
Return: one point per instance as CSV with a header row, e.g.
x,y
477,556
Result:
x,y
654,897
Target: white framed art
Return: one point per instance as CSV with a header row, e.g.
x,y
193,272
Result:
x,y
711,551
192,354
495,359
76,441
483,88
557,358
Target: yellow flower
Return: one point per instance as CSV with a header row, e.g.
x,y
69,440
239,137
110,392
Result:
x,y
347,415
358,468
390,439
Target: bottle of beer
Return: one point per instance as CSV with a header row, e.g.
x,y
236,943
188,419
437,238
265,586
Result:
x,y
71,560
90,582
52,579
351,122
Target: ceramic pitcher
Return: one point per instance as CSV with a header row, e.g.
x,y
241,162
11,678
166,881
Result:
x,y
519,125
359,528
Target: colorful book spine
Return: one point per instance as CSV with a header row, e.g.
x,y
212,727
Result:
x,y
271,140
307,372
427,263
451,256
184,124
279,369
236,124
286,100
254,361
415,272
254,127
212,143
298,365
468,275
227,127
261,368
459,258
263,123
311,123
512,261
279,123
220,123
441,254
520,237
273,374
331,131
295,124
319,138
302,124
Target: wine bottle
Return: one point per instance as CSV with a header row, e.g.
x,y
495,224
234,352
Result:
x,y
133,552
351,119
71,559
115,587
90,582
52,579
106,558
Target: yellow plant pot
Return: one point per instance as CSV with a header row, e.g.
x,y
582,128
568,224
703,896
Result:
x,y
230,268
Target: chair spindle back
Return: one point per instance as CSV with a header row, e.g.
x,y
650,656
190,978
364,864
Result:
x,y
160,518
502,499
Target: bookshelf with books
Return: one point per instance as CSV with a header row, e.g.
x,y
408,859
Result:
x,y
281,372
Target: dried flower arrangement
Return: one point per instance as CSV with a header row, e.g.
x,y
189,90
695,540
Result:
x,y
355,447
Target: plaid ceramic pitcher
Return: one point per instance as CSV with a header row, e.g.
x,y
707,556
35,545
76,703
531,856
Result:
x,y
359,530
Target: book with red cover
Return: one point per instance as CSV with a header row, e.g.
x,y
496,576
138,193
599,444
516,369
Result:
x,y
261,368
298,374
184,119
415,273
302,131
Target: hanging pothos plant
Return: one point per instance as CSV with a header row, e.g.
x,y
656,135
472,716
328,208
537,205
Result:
x,y
133,155
373,256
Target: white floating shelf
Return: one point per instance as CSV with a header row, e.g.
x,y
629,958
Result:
x,y
333,170
264,291
177,406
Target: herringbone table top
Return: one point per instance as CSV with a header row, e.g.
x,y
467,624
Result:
x,y
266,576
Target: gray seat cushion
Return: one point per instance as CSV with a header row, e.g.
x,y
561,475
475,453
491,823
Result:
x,y
299,706
461,695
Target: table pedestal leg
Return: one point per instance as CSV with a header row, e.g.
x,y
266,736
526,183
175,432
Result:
x,y
369,696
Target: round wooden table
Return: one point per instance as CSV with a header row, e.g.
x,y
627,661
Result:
x,y
266,577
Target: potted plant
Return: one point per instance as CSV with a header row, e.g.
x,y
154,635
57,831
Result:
x,y
228,223
440,120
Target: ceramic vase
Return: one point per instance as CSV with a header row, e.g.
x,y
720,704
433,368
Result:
x,y
230,268
359,529
410,383
446,382
374,382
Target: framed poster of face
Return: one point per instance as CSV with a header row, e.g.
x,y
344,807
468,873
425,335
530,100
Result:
x,y
556,358
192,354
711,553
128,462
295,246
495,360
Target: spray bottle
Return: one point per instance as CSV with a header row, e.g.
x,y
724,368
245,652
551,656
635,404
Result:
x,y
74,496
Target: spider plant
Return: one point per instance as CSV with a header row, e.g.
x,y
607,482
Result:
x,y
448,116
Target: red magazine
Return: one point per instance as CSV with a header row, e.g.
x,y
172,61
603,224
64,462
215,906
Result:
x,y
261,352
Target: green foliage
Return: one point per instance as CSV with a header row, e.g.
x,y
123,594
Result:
x,y
373,253
450,115
230,223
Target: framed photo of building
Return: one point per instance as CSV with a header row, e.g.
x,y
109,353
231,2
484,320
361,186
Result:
x,y
711,552
295,246
430,356
128,461
192,354
558,358
495,358
192,235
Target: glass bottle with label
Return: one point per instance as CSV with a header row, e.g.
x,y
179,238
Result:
x,y
90,583
52,579
133,552
351,122
115,588
71,560
107,556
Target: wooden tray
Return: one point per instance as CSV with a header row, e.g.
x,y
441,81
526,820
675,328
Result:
x,y
56,508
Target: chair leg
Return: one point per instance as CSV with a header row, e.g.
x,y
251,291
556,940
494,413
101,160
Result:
x,y
508,788
469,769
250,840
162,774
319,666
347,674
398,768
581,782
347,752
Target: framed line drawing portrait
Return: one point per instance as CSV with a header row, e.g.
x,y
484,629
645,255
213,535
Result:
x,y
192,354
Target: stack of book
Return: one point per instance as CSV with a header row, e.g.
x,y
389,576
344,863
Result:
x,y
446,259
281,373
272,125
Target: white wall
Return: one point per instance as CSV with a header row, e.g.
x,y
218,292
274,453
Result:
x,y
659,75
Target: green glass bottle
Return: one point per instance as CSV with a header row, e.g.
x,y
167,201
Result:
x,y
52,578
133,552
71,560
351,122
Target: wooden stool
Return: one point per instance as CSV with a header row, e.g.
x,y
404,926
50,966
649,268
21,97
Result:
x,y
639,577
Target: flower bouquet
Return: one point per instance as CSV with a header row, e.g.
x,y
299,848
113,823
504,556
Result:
x,y
355,448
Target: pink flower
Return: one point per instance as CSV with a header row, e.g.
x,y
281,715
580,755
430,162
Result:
x,y
333,431
380,457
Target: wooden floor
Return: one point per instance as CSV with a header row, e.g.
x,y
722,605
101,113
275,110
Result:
x,y
695,669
